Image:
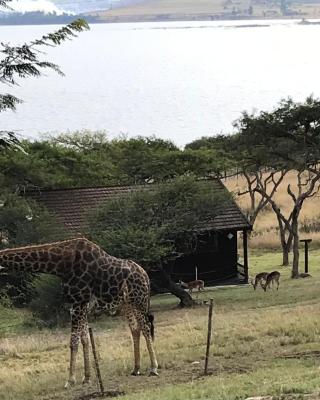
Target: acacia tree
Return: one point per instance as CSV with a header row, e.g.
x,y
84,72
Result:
x,y
26,60
268,181
234,162
156,225
285,140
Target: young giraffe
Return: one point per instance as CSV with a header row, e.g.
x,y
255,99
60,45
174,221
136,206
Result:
x,y
88,275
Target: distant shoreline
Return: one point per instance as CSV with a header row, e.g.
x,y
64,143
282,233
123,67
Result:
x,y
26,23
93,19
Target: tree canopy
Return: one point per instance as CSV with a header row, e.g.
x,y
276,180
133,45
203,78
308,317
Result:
x,y
157,222
287,137
265,148
272,144
91,159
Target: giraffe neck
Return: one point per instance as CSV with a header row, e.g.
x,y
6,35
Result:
x,y
59,258
44,258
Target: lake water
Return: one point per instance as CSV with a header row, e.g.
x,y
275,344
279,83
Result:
x,y
175,80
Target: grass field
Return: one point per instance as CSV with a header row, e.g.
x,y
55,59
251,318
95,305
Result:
x,y
263,343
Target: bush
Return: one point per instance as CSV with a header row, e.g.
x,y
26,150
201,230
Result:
x,y
48,306
5,300
158,221
22,223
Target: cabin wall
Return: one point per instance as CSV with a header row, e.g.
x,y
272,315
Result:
x,y
215,259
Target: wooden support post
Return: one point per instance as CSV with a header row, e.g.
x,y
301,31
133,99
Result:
x,y
306,254
306,261
96,362
245,256
208,337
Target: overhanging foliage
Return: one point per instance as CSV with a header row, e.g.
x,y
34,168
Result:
x,y
150,225
23,61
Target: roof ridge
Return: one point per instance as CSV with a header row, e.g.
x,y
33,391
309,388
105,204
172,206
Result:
x,y
44,189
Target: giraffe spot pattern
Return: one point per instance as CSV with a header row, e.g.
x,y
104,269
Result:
x,y
88,273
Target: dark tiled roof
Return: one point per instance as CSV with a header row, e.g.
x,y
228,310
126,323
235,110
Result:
x,y
70,206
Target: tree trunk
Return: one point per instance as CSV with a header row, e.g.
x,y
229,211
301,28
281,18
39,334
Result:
x,y
289,244
295,263
166,282
286,248
285,256
295,248
285,242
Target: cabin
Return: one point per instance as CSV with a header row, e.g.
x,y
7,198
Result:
x,y
215,258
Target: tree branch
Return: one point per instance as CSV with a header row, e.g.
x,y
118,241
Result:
x,y
22,61
290,192
3,4
7,101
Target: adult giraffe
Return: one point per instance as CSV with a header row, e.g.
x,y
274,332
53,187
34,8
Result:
x,y
88,275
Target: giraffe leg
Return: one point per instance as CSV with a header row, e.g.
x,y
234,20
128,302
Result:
x,y
136,350
135,332
78,315
85,346
146,330
152,354
74,344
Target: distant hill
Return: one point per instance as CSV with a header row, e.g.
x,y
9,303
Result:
x,y
58,11
161,10
166,10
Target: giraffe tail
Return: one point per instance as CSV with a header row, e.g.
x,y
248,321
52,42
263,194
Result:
x,y
150,318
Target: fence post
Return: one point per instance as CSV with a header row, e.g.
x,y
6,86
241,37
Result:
x,y
96,362
208,337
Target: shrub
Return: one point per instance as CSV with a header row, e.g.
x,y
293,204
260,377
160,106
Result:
x,y
22,223
157,222
48,306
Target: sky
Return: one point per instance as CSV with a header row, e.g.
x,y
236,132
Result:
x,y
63,6
35,5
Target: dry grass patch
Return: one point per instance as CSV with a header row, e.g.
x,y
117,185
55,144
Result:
x,y
242,343
266,341
265,234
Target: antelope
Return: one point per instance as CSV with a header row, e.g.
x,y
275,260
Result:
x,y
273,277
193,285
258,279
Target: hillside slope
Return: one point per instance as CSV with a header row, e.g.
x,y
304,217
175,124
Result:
x,y
173,9
166,10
